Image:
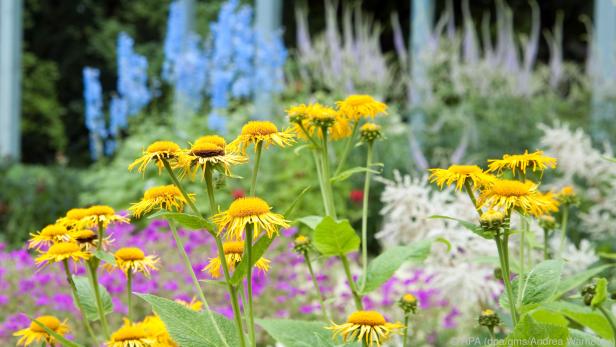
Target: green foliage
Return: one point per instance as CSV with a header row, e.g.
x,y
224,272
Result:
x,y
187,220
296,333
570,283
258,250
86,296
536,334
335,238
476,229
601,293
584,316
536,286
190,328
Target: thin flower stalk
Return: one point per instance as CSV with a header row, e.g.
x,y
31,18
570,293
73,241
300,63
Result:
x,y
326,176
69,279
347,148
316,286
563,230
129,299
364,214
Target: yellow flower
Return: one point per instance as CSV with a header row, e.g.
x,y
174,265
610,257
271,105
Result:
x,y
164,197
511,194
88,239
309,116
156,330
35,334
194,304
370,132
249,210
233,255
356,107
62,251
261,131
460,174
133,259
157,151
50,234
131,335
567,191
72,217
100,215
369,326
209,152
520,162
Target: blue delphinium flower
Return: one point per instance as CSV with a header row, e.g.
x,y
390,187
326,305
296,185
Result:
x,y
132,83
94,117
190,73
177,30
217,123
118,115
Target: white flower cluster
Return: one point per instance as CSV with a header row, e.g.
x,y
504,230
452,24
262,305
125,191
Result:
x,y
576,259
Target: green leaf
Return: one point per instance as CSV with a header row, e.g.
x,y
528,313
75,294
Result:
x,y
583,315
575,281
529,332
537,286
105,256
601,293
468,225
258,249
85,292
344,175
548,316
192,328
310,221
579,338
187,220
289,210
58,337
385,265
607,255
296,333
335,238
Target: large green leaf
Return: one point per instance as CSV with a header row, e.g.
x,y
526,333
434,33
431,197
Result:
x,y
86,296
385,265
468,225
105,256
310,221
572,282
296,333
335,238
258,249
579,338
537,286
65,342
583,315
189,221
529,332
191,328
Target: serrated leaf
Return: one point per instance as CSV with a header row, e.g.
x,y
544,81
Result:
x,y
85,292
310,221
476,229
572,282
296,333
335,238
584,316
579,338
537,286
344,175
385,265
189,221
105,256
65,342
192,328
535,334
258,249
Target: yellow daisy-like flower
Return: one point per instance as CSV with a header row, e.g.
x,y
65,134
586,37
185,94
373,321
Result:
x,y
233,255
157,151
157,331
460,174
356,107
368,326
35,334
511,194
520,162
72,217
50,234
194,304
100,215
62,251
209,152
249,210
88,239
262,131
164,197
310,116
131,335
133,259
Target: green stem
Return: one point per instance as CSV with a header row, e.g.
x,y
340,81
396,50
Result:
x,y
248,305
195,281
546,252
352,285
316,285
129,296
86,323
492,336
99,246
326,176
608,316
364,216
317,162
563,231
405,336
92,268
347,149
177,183
314,143
255,170
500,245
471,195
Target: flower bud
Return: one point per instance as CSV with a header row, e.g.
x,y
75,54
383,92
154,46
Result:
x,y
567,196
498,273
370,132
408,303
301,244
488,319
547,222
492,220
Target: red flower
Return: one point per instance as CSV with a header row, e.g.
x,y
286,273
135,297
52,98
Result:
x,y
238,193
356,196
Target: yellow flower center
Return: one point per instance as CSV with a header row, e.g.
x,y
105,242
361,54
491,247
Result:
x,y
62,248
53,230
465,169
163,146
233,247
567,191
213,139
409,298
510,188
127,333
85,235
370,127
162,191
100,210
250,206
320,112
77,213
302,240
371,318
50,322
358,100
487,312
259,128
130,253
492,216
207,149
